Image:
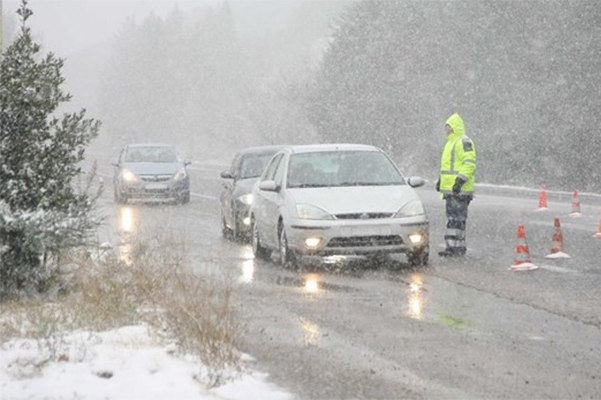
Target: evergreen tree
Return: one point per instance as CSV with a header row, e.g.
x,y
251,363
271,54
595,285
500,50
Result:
x,y
41,211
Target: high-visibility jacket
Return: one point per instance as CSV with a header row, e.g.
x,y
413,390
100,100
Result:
x,y
458,158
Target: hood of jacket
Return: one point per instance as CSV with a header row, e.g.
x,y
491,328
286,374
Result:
x,y
455,122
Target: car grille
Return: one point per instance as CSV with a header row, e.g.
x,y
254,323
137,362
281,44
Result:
x,y
364,216
366,241
155,178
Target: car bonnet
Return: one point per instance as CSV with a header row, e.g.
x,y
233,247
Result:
x,y
356,199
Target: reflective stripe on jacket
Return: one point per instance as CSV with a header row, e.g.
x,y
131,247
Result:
x,y
458,158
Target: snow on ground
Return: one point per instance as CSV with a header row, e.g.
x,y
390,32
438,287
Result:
x,y
128,363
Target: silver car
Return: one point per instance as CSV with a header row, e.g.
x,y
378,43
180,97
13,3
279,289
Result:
x,y
151,171
236,197
337,199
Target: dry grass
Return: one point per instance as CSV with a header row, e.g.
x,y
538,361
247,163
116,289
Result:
x,y
152,285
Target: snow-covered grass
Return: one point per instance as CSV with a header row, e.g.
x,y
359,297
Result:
x,y
127,363
134,326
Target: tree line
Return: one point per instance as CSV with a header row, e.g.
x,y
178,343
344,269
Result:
x,y
524,74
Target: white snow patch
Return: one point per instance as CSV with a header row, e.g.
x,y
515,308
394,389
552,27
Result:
x,y
126,363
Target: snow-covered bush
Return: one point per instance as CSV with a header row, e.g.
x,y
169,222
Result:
x,y
31,243
41,211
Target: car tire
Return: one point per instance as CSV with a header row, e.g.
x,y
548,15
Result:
x,y
120,198
419,258
288,259
185,198
258,250
226,232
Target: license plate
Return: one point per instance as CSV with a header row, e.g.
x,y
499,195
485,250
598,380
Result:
x,y
370,230
155,186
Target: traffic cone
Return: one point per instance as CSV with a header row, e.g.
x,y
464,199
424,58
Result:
x,y
542,199
522,253
575,205
557,247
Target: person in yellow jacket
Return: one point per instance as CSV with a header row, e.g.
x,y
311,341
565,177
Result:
x,y
456,183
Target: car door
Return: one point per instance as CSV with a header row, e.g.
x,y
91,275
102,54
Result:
x,y
263,202
273,202
227,193
118,169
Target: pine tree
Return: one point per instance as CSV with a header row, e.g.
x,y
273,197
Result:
x,y
41,212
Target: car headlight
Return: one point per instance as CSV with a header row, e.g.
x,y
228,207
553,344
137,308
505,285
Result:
x,y
128,176
411,209
246,199
181,174
307,211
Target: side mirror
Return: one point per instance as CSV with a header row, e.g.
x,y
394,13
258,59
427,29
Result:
x,y
268,186
416,181
186,163
227,175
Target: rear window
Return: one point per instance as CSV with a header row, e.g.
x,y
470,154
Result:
x,y
342,168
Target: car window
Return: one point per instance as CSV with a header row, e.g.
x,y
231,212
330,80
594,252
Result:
x,y
151,154
252,165
342,168
270,170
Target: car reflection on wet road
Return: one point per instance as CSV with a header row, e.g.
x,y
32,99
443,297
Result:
x,y
415,297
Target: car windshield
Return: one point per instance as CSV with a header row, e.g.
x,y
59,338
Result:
x,y
342,168
151,154
252,165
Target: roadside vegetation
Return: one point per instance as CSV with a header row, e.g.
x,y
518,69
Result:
x,y
54,277
153,285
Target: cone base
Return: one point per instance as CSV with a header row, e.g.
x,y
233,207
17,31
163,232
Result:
x,y
597,235
542,209
558,255
575,215
526,266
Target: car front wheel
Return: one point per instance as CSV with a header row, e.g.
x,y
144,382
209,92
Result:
x,y
288,259
120,198
185,198
258,250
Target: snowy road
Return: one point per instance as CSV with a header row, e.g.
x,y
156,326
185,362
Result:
x,y
466,328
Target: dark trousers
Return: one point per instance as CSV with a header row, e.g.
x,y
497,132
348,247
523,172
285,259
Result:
x,y
456,222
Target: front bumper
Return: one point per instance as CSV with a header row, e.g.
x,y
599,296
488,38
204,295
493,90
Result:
x,y
170,189
358,237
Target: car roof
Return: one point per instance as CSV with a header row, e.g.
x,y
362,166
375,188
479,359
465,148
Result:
x,y
261,149
313,148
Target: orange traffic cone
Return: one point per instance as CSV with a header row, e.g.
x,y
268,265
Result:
x,y
522,253
575,205
557,247
542,199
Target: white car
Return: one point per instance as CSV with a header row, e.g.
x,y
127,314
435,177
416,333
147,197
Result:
x,y
337,199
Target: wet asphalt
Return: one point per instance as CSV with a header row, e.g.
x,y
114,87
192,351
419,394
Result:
x,y
460,328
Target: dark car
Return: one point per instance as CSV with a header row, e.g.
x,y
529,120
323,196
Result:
x,y
236,196
151,171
